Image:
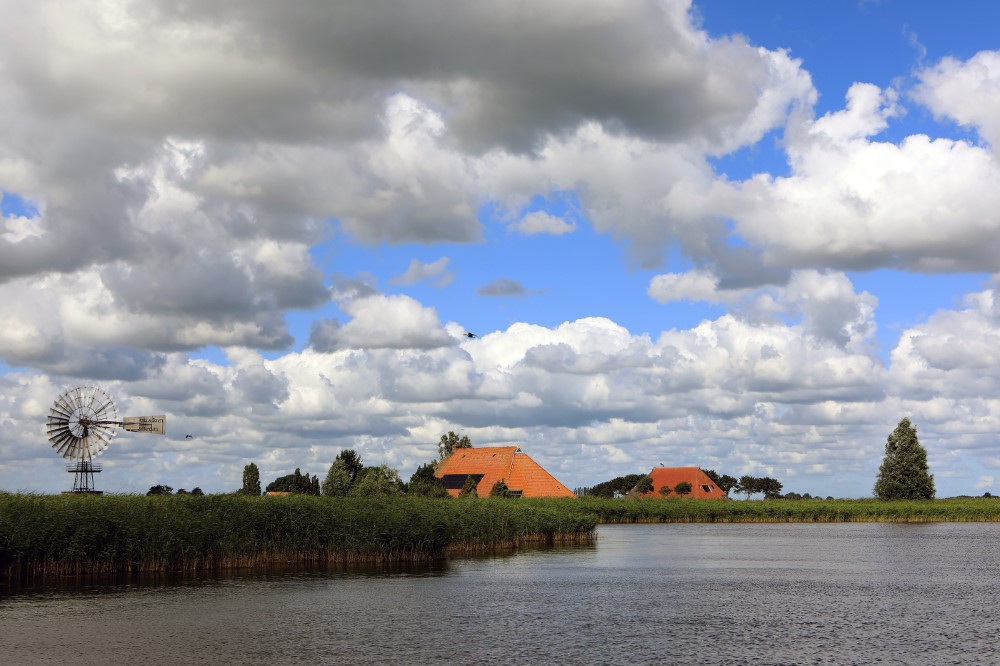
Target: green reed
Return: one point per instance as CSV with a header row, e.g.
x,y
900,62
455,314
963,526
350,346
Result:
x,y
69,535
816,510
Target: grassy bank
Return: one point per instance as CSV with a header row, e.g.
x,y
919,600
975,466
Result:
x,y
44,535
778,511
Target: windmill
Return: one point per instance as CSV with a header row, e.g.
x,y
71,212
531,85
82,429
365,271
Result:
x,y
82,422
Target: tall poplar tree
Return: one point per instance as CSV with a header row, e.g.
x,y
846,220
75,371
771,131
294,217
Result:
x,y
251,480
904,473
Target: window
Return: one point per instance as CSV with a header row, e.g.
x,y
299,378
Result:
x,y
515,493
707,489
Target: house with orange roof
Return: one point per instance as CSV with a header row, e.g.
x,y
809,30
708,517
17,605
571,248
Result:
x,y
702,486
487,465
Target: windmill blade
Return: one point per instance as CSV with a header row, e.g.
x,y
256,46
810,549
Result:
x,y
76,397
55,412
67,406
93,397
64,444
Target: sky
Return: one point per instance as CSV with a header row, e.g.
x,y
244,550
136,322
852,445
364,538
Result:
x,y
749,237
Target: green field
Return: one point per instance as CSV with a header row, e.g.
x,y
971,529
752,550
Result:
x,y
44,535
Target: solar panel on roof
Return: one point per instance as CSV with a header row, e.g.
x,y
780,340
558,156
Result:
x,y
457,481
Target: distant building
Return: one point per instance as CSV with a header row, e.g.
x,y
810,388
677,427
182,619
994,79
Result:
x,y
702,486
523,476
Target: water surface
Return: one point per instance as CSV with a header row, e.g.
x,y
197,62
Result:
x,y
643,594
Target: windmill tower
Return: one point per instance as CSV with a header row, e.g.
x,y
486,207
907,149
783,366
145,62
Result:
x,y
81,424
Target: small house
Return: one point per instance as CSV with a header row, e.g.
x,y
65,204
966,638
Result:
x,y
487,465
702,486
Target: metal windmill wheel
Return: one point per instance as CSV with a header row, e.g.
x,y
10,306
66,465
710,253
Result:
x,y
82,422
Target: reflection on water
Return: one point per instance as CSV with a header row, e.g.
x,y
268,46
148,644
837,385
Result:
x,y
665,594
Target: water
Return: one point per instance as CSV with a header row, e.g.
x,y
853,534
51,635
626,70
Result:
x,y
644,594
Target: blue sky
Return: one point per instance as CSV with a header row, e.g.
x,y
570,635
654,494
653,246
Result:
x,y
745,236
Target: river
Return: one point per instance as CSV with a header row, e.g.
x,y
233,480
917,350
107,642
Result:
x,y
858,593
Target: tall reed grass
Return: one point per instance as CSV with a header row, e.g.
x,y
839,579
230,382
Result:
x,y
809,511
70,535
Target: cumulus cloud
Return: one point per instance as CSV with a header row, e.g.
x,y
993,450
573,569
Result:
x,y
382,322
540,222
436,271
853,202
967,92
696,285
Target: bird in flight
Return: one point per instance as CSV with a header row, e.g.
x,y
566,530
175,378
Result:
x,y
471,336
188,436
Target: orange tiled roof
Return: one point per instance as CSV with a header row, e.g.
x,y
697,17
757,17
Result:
x,y
509,463
702,487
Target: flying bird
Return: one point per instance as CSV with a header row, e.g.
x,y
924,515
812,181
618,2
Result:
x,y
188,436
471,336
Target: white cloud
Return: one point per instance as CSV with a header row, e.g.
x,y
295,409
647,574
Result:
x,y
965,91
540,222
696,285
417,271
389,322
854,203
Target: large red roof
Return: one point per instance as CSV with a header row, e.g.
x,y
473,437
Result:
x,y
702,486
491,464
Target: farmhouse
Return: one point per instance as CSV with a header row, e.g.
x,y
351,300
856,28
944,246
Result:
x,y
523,476
702,487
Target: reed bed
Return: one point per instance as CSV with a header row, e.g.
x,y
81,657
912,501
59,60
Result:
x,y
44,535
783,511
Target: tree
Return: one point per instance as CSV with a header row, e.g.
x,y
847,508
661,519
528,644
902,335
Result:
x,y
754,484
724,481
352,463
683,488
665,490
500,489
644,485
338,481
450,442
469,488
770,487
251,480
197,492
424,482
295,483
904,473
617,487
160,490
746,484
377,481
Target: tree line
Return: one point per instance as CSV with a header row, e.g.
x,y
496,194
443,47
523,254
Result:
x,y
348,476
642,484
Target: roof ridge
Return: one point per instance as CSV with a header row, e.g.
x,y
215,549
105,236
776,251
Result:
x,y
510,468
